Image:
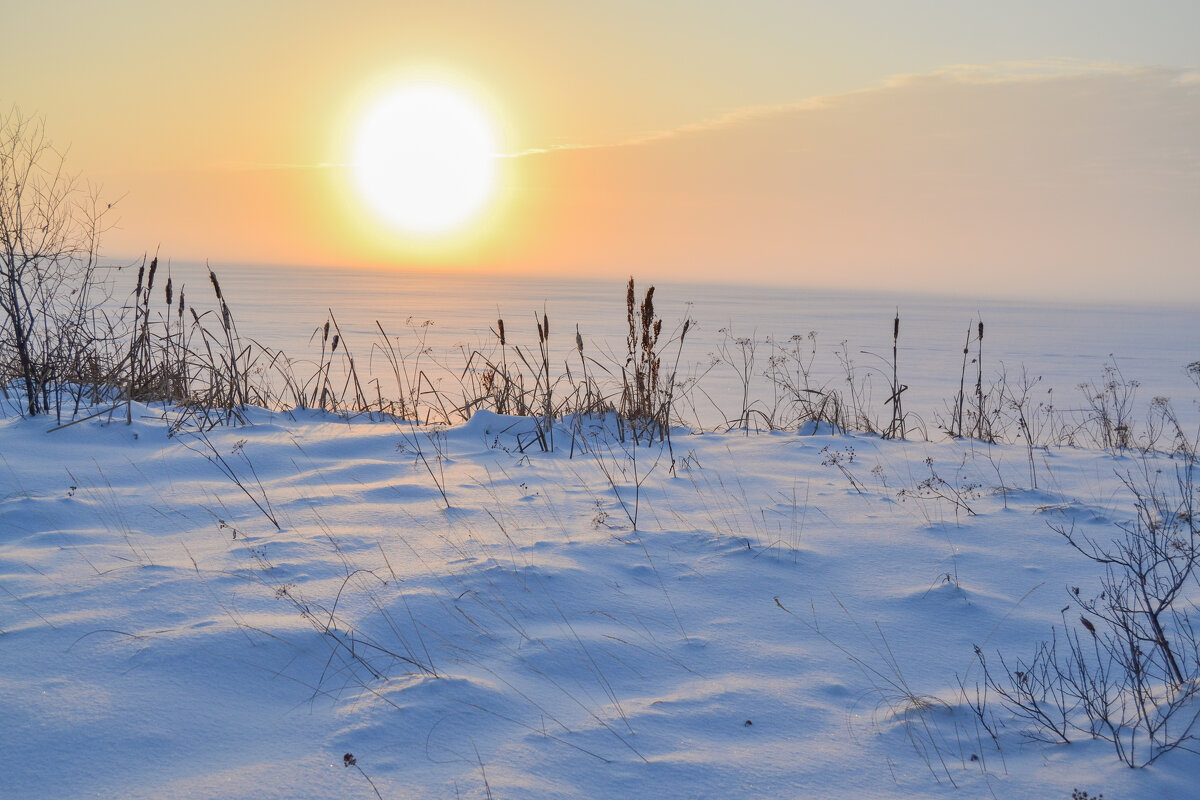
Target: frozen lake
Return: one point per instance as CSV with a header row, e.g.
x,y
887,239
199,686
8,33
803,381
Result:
x,y
1065,344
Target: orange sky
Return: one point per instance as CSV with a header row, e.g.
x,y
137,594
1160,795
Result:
x,y
814,143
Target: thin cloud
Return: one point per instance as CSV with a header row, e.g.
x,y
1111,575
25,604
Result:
x,y
1008,72
980,74
729,119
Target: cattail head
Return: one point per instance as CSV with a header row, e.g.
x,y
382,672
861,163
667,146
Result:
x,y
578,340
141,275
546,324
896,327
647,316
334,345
631,317
325,332
150,277
981,330
500,325
168,292
180,302
212,276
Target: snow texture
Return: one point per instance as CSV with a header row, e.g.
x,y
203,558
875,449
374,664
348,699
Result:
x,y
791,616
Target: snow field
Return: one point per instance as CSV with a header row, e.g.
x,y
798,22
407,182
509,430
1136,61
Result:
x,y
793,616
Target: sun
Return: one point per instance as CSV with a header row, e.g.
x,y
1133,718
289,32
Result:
x,y
424,159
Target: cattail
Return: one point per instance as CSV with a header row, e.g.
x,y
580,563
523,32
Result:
x,y
981,330
325,333
896,328
333,346
141,274
578,341
212,276
500,325
226,318
150,277
181,302
648,319
687,323
168,292
546,324
630,309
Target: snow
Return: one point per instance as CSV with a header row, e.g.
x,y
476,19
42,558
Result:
x,y
770,628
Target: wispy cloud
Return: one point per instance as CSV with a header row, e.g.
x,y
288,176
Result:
x,y
1009,72
1019,71
728,119
1012,72
1061,175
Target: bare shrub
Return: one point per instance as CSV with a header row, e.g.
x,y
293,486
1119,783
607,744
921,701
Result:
x,y
1128,672
50,230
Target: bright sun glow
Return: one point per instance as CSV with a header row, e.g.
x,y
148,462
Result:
x,y
424,159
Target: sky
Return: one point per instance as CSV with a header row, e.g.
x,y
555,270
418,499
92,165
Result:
x,y
1018,149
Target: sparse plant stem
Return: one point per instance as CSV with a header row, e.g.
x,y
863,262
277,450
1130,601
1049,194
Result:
x,y
207,448
980,413
895,430
960,400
